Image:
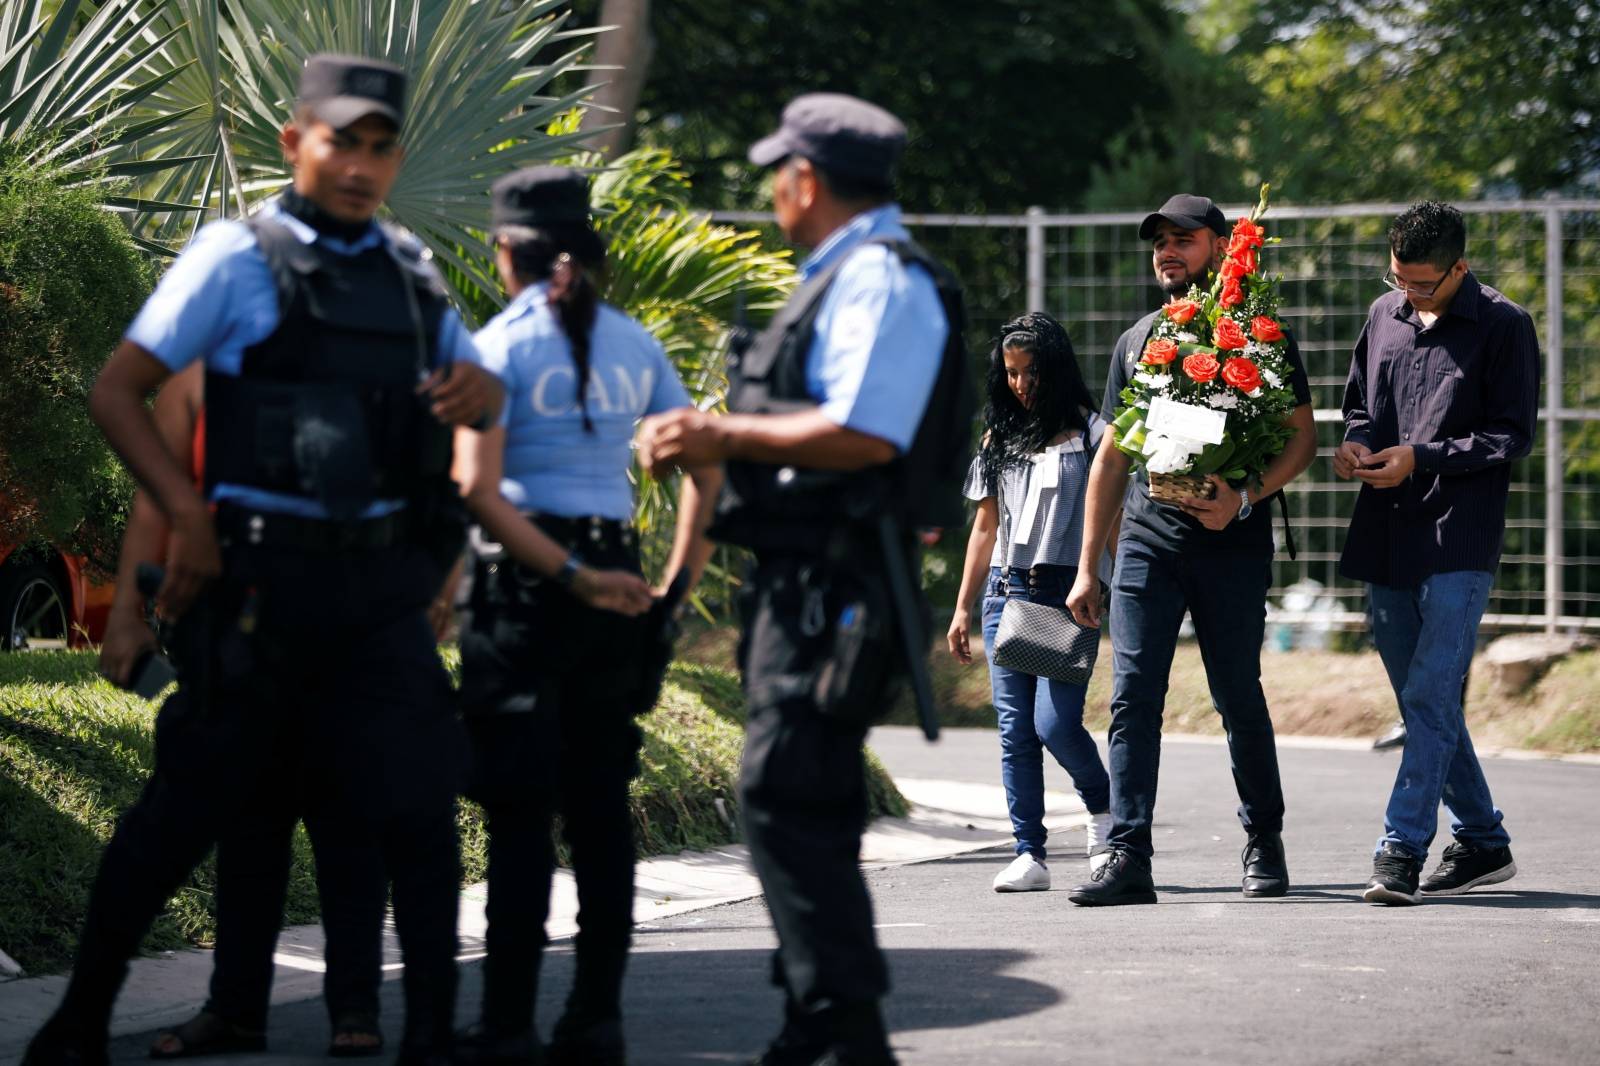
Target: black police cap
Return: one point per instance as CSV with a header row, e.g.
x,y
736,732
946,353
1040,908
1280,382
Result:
x,y
341,90
539,196
840,134
1186,211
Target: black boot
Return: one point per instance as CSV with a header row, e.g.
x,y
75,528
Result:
x,y
1122,880
1266,872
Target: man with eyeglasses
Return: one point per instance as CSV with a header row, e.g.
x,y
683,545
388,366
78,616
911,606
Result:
x,y
1440,401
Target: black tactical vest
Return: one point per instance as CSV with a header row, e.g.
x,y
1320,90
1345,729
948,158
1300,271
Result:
x,y
325,407
788,509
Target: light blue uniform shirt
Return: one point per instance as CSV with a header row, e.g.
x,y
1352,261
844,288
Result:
x,y
218,298
552,465
880,332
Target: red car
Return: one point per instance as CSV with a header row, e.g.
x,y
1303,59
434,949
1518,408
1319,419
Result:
x,y
47,599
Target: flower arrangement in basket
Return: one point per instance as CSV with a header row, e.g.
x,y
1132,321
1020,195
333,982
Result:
x,y
1211,392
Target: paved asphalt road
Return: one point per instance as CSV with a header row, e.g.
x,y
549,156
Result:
x,y
1204,976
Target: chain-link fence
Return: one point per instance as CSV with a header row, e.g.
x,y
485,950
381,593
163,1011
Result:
x,y
1094,273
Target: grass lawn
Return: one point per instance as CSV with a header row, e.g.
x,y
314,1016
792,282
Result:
x,y
74,752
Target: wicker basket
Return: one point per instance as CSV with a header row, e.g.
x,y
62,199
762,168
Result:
x,y
1170,488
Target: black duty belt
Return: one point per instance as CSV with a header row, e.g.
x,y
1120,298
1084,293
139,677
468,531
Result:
x,y
592,531
245,525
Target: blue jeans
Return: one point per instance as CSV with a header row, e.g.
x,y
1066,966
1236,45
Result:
x,y
1226,596
1036,713
1425,636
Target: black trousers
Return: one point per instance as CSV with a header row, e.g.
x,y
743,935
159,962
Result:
x,y
802,790
308,683
550,694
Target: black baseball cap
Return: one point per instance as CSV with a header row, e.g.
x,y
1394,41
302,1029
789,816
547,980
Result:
x,y
841,134
341,90
539,196
1186,211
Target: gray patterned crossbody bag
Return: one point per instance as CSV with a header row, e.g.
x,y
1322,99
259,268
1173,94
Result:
x,y
1043,639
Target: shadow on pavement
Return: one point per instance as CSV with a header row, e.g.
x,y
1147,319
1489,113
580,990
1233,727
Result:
x,y
719,1006
1514,899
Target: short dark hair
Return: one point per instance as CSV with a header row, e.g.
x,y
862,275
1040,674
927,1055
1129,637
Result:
x,y
1429,232
853,190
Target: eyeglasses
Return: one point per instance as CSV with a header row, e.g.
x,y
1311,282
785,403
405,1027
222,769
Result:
x,y
1397,285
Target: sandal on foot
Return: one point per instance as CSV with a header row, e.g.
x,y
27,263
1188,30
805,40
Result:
x,y
356,1036
206,1034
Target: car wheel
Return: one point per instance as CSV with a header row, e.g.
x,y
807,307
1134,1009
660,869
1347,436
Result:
x,y
34,612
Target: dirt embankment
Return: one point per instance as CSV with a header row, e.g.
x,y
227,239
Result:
x,y
1311,693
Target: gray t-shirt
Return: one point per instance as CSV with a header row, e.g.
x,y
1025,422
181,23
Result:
x,y
1041,503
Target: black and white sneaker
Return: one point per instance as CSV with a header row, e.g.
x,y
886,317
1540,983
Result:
x,y
1394,878
1465,867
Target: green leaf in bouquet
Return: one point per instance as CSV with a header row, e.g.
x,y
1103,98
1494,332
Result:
x,y
1236,474
1187,349
1211,459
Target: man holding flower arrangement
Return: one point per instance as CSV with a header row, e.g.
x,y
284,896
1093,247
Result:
x,y
1211,414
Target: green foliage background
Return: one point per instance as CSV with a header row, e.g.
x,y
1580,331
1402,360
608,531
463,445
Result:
x,y
71,280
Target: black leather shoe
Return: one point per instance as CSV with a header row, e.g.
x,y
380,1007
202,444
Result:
x,y
47,1049
478,1045
1266,873
595,1044
1124,879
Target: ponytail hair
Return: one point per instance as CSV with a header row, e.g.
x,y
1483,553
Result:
x,y
567,255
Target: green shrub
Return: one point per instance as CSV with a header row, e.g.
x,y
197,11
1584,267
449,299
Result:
x,y
71,280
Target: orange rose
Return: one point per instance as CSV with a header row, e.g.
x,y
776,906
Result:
x,y
1181,311
1201,366
1265,329
1228,335
1160,352
1232,293
1241,374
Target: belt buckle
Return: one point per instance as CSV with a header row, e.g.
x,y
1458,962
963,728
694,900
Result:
x,y
347,535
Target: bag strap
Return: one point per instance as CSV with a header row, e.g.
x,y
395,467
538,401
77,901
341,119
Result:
x,y
1288,529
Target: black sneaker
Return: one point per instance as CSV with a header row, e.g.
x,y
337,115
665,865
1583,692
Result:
x,y
1122,880
1465,867
1266,871
1394,878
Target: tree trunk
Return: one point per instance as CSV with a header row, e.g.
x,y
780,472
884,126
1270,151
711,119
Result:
x,y
627,48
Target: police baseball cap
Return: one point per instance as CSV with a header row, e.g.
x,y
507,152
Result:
x,y
341,90
840,134
539,196
1186,211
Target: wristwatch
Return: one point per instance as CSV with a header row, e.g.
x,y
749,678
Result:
x,y
1244,504
569,571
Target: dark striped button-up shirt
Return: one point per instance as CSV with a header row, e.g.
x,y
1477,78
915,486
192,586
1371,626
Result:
x,y
1463,393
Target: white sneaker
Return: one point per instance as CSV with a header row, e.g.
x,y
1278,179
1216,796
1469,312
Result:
x,y
1098,837
1025,874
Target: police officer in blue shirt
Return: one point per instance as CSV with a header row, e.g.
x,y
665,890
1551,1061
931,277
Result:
x,y
564,641
841,420
299,581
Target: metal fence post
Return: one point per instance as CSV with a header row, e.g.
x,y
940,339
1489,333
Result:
x,y
1554,305
1035,266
